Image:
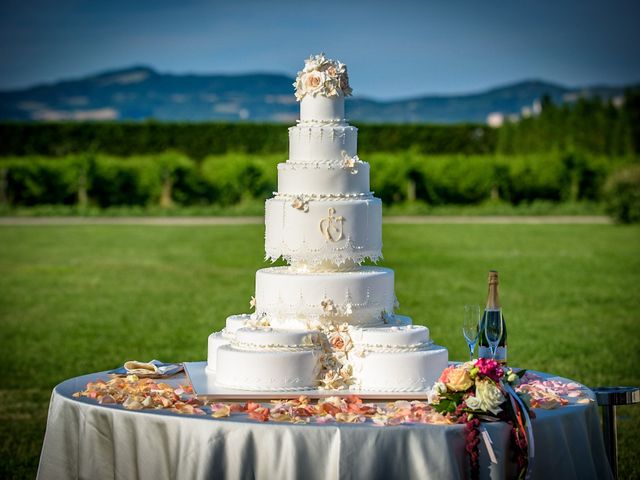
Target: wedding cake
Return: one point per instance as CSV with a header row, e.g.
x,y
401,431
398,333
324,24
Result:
x,y
324,321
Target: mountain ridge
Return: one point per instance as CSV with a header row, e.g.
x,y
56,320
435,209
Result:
x,y
140,92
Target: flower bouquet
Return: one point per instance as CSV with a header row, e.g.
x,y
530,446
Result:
x,y
482,390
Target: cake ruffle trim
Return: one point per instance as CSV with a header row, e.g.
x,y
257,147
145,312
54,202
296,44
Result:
x,y
316,259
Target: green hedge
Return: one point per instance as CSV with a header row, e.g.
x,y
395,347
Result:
x,y
458,179
622,194
197,140
173,178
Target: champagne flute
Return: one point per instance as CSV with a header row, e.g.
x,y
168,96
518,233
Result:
x,y
470,327
493,329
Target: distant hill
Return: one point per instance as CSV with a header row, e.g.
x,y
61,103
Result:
x,y
140,93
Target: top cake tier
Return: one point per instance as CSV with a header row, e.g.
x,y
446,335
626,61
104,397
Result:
x,y
320,88
321,110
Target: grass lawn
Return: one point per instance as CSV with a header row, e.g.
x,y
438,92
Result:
x,y
79,299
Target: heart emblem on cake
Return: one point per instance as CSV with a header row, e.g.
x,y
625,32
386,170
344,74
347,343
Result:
x,y
331,226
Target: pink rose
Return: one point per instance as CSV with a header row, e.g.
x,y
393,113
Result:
x,y
337,342
444,376
489,368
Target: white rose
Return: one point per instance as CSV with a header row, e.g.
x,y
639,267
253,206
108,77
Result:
x,y
314,62
299,86
433,396
473,403
440,387
489,395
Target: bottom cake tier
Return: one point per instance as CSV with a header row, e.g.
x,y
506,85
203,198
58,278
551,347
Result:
x,y
401,371
265,359
395,358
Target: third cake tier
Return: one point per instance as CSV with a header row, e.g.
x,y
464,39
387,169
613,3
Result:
x,y
311,232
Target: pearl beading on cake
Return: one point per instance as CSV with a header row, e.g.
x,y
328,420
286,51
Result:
x,y
323,197
379,348
273,347
338,122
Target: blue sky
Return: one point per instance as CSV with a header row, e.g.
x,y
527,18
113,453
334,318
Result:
x,y
394,49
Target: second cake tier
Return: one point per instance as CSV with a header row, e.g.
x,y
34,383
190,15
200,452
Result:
x,y
288,298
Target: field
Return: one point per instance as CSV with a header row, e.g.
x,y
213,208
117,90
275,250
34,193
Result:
x,y
86,298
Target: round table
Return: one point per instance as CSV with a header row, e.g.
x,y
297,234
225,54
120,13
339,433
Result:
x,y
87,440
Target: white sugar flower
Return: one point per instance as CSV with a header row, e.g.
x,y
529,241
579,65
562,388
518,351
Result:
x,y
314,62
350,162
314,82
328,306
252,302
299,92
347,309
300,203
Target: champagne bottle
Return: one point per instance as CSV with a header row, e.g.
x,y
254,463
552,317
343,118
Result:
x,y
492,308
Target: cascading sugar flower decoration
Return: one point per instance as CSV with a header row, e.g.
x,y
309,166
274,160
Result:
x,y
346,309
322,76
328,306
300,203
336,368
349,162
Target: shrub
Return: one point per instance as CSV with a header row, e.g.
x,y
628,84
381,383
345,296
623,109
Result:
x,y
622,194
234,177
130,181
536,177
40,181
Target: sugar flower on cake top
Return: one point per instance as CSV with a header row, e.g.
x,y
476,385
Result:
x,y
322,76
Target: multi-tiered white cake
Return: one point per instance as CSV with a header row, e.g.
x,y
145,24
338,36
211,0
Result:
x,y
325,321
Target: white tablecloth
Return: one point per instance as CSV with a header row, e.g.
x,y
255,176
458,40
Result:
x,y
86,440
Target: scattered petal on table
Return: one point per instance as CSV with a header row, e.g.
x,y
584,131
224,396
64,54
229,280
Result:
x,y
221,411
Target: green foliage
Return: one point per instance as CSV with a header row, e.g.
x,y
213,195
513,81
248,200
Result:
x,y
427,139
197,140
588,125
132,181
235,177
171,178
622,194
459,179
39,180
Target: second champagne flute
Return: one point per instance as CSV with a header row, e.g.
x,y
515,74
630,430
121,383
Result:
x,y
493,329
